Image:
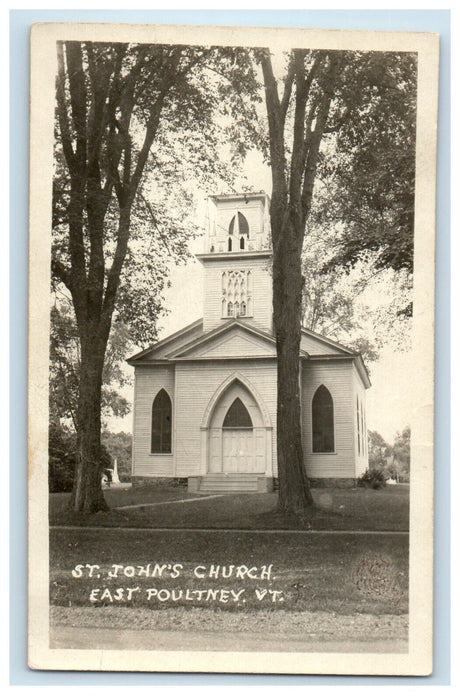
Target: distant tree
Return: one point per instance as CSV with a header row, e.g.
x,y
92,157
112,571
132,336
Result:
x,y
61,462
399,464
379,451
363,308
65,361
119,446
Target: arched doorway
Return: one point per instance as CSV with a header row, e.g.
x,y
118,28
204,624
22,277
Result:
x,y
238,434
237,440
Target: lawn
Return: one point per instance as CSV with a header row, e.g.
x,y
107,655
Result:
x,y
339,573
335,509
332,576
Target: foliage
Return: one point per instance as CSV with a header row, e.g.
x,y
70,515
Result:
x,y
119,445
61,449
379,450
393,461
373,478
399,466
122,111
65,367
368,167
363,308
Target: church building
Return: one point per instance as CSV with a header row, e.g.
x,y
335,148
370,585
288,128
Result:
x,y
205,397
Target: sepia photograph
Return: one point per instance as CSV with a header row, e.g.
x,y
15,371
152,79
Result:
x,y
231,348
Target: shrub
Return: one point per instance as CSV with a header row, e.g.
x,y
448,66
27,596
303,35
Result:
x,y
61,448
372,479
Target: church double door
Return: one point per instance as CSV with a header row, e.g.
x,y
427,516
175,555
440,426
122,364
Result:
x,y
238,450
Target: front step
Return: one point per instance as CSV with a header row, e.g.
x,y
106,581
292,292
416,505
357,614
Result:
x,y
230,483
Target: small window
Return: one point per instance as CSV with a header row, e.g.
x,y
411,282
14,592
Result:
x,y
237,416
229,243
229,309
161,423
242,243
323,420
243,309
237,309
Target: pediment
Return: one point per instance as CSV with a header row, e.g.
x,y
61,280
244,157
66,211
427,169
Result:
x,y
233,342
315,344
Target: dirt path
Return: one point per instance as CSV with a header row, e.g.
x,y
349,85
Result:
x,y
219,630
180,640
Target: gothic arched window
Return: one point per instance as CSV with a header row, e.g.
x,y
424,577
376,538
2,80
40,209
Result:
x,y
242,243
243,309
229,309
323,420
237,416
243,225
161,423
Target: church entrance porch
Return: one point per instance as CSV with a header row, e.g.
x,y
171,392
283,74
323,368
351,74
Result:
x,y
236,442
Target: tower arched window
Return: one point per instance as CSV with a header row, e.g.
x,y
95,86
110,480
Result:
x,y
243,309
323,420
229,243
243,226
229,309
242,243
161,423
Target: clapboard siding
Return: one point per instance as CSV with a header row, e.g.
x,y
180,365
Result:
x,y
338,378
148,382
261,291
361,460
196,383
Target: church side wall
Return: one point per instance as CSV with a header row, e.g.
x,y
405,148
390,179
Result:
x,y
196,383
148,382
338,378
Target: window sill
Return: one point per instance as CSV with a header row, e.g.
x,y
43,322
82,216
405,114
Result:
x,y
160,454
238,317
323,453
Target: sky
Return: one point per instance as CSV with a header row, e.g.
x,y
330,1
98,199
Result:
x,y
389,406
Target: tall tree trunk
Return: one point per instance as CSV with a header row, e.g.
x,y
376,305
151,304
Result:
x,y
294,490
87,496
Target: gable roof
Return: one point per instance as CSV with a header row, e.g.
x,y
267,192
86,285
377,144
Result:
x,y
316,344
175,340
238,339
231,339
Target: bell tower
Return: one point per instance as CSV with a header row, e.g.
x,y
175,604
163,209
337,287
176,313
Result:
x,y
237,261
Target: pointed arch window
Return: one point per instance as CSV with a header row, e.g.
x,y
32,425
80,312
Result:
x,y
161,423
242,243
237,416
323,420
243,226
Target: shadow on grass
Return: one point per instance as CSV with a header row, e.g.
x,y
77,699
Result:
x,y
334,509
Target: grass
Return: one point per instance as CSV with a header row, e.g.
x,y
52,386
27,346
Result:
x,y
341,574
335,509
331,586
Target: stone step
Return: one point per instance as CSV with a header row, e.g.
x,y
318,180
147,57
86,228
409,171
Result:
x,y
230,483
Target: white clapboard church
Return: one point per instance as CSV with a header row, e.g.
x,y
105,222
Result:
x,y
205,397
